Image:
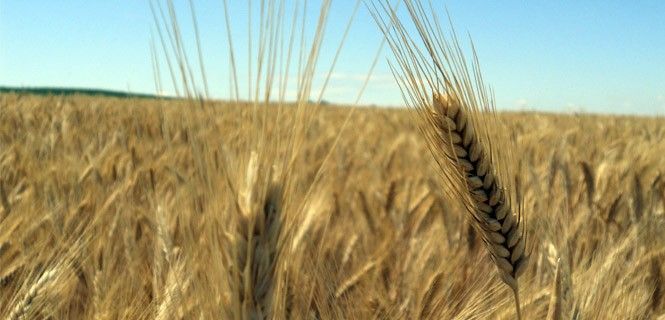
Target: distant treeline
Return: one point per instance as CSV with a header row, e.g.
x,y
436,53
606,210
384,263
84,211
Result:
x,y
46,91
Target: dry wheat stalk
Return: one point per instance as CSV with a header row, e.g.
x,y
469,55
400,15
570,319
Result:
x,y
172,296
266,253
259,205
555,311
492,215
23,307
458,119
4,201
354,278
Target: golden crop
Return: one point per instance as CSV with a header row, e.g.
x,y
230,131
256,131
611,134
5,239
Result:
x,y
165,209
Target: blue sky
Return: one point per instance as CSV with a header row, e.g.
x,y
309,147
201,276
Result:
x,y
598,56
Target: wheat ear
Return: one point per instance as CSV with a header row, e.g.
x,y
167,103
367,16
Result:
x,y
554,310
458,119
490,208
23,307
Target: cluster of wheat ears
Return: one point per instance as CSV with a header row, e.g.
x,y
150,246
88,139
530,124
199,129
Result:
x,y
259,208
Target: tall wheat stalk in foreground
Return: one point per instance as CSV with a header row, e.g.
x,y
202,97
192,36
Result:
x,y
265,226
457,117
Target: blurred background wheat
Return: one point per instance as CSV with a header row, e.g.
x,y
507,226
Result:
x,y
106,213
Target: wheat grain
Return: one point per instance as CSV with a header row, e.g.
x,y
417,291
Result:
x,y
24,306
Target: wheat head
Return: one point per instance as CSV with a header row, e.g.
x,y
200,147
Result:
x,y
457,116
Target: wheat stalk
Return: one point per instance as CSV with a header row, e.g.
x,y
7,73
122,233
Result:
x,y
491,212
23,307
4,201
172,295
554,311
458,120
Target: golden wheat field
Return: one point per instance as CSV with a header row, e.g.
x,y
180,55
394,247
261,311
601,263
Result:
x,y
148,209
276,205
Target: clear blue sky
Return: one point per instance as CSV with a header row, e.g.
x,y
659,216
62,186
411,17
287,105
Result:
x,y
601,56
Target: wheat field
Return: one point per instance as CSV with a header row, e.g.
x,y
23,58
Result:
x,y
270,208
110,209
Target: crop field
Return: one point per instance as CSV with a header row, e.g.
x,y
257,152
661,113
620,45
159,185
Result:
x,y
270,203
118,208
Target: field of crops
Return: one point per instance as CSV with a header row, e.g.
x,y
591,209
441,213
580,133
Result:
x,y
142,209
